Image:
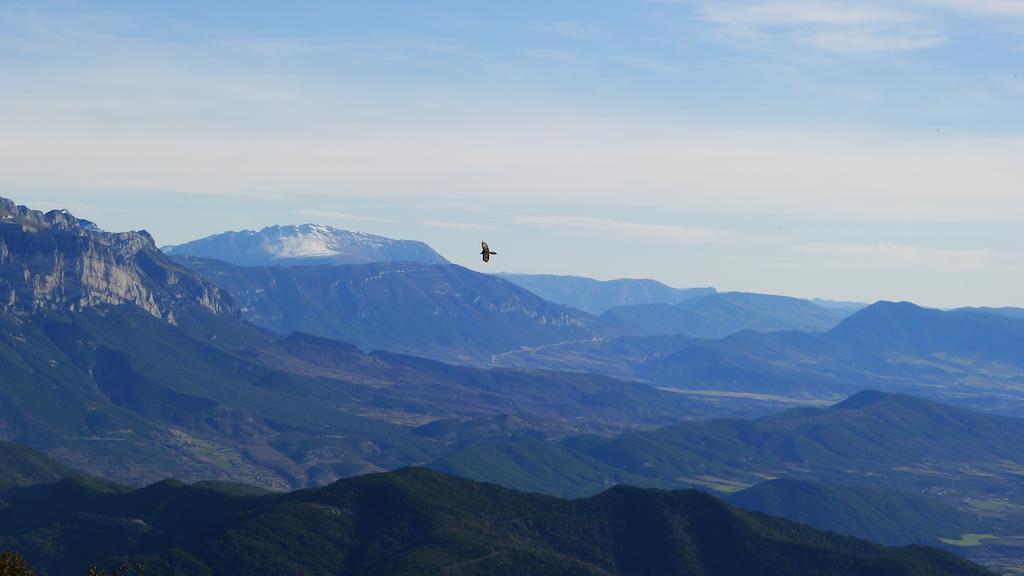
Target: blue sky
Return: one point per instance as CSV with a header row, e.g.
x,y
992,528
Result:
x,y
849,150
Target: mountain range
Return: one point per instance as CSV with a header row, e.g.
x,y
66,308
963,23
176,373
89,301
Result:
x,y
598,296
875,513
968,357
440,311
892,468
414,521
155,375
116,392
871,438
720,314
130,365
454,314
305,244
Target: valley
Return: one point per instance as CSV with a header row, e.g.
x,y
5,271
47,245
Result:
x,y
607,288
195,369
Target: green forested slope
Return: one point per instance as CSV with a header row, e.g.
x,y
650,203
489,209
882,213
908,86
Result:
x,y
419,522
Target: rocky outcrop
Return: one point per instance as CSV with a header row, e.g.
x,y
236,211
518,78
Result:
x,y
54,261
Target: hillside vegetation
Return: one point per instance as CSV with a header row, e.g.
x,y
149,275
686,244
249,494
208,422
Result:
x,y
419,522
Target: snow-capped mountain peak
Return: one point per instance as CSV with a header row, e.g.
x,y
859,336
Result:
x,y
305,244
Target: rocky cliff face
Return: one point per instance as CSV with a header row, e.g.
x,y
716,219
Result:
x,y
54,261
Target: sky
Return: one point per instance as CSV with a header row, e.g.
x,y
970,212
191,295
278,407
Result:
x,y
851,150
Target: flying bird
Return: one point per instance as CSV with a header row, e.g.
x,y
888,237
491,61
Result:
x,y
486,252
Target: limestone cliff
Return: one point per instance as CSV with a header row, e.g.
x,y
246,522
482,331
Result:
x,y
54,261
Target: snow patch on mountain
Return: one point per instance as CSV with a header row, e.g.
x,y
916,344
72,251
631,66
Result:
x,y
305,244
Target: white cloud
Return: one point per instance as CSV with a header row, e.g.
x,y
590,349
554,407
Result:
x,y
753,15
455,225
835,26
153,118
551,55
611,228
334,215
908,256
863,41
83,113
571,29
910,179
647,65
983,7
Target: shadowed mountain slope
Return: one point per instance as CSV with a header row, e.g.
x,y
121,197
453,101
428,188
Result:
x,y
966,357
454,314
117,392
445,312
874,513
23,466
120,362
871,438
414,521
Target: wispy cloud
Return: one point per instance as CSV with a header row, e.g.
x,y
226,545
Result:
x,y
983,7
836,26
571,29
610,227
756,15
268,47
334,215
647,65
550,55
908,256
455,225
853,41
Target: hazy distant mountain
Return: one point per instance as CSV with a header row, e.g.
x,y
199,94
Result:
x,y
875,513
121,394
305,244
120,362
415,521
851,307
872,438
721,314
890,329
455,314
446,312
597,296
970,358
1009,312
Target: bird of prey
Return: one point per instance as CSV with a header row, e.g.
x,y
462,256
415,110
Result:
x,y
486,252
